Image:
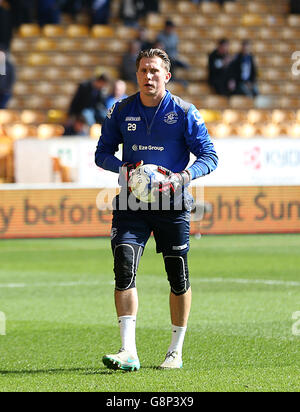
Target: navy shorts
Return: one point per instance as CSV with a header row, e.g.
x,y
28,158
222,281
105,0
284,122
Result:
x,y
171,229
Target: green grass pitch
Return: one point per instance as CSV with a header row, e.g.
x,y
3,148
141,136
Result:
x,y
57,296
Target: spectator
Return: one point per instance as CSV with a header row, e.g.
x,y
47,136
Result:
x,y
169,41
243,72
118,93
6,27
294,6
90,100
7,81
131,11
72,7
151,6
128,65
77,127
100,10
48,12
218,68
23,11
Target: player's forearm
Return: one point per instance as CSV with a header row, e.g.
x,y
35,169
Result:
x,y
108,162
203,165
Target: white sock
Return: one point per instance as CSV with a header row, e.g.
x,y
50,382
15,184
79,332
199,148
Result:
x,y
178,334
127,331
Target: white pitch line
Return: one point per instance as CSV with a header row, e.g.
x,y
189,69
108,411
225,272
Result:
x,y
288,283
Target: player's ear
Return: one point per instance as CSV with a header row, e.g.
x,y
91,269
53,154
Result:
x,y
168,77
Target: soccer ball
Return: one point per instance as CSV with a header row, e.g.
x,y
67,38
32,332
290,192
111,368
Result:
x,y
143,181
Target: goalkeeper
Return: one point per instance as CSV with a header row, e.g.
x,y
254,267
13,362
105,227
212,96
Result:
x,y
157,128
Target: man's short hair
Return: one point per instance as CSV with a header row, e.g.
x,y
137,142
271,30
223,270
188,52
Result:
x,y
154,53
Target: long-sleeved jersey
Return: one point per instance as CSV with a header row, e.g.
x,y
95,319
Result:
x,y
165,137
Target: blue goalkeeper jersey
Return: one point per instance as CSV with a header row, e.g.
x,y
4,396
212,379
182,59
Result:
x,y
165,136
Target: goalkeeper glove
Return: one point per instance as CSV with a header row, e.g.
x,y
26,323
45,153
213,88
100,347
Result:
x,y
174,181
128,168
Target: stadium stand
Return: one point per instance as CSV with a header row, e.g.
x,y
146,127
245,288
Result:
x,y
52,60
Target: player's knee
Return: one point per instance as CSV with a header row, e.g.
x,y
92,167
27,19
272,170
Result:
x,y
178,274
126,259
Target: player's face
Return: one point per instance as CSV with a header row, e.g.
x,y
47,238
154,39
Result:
x,y
152,77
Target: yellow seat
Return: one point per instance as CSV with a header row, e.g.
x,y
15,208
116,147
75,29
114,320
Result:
x,y
48,131
99,31
56,116
247,130
255,116
124,32
8,116
29,30
294,20
252,20
53,30
155,21
77,30
236,102
20,131
32,117
233,116
45,44
232,7
38,59
187,7
280,116
210,8
257,8
215,102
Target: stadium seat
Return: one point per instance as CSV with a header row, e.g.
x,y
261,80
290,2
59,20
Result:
x,y
56,116
280,116
252,20
32,117
21,45
294,20
247,130
38,59
20,131
232,7
233,116
22,88
48,131
214,102
238,102
124,32
8,116
155,21
292,130
45,44
95,131
258,116
220,130
271,130
210,8
53,30
77,30
102,31
186,7
257,7
29,30
62,59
